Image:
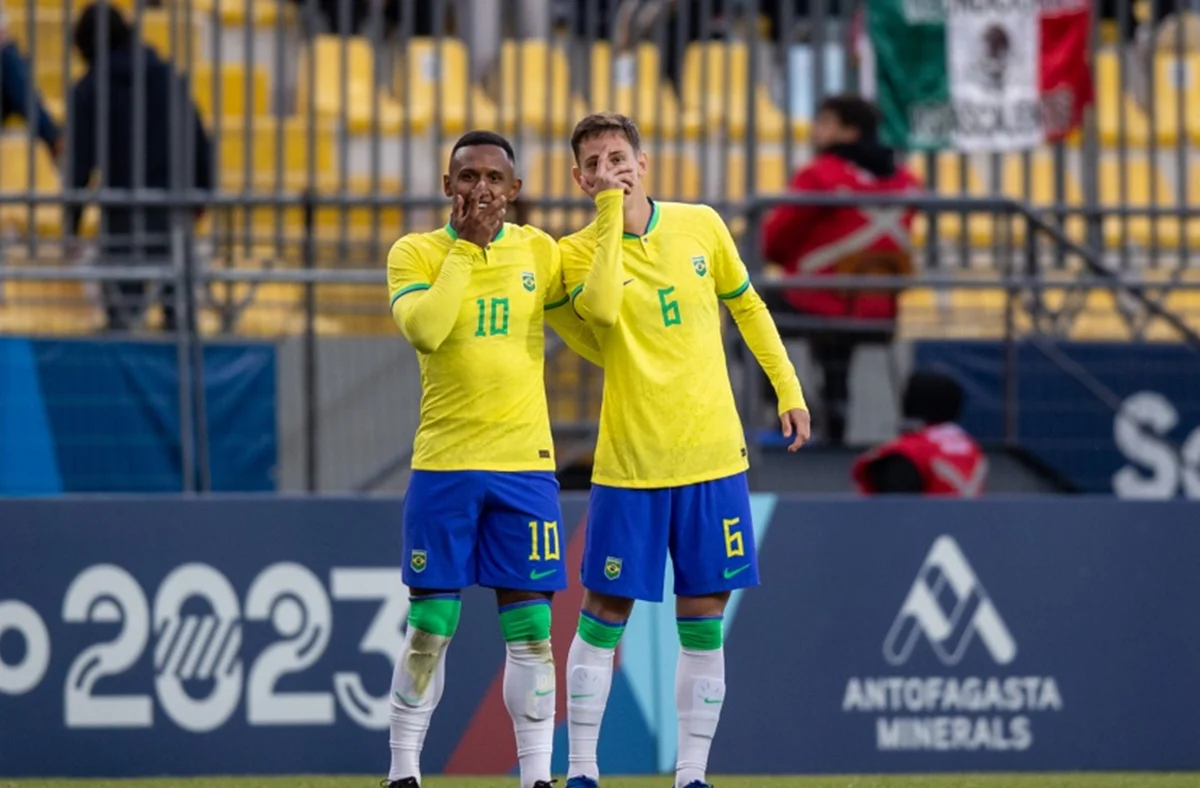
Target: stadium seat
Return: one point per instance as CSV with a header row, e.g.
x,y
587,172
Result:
x,y
437,88
1134,190
673,175
51,37
1040,190
1110,100
265,154
535,89
547,176
46,220
633,85
156,31
951,169
1177,98
239,96
50,83
771,173
355,98
716,85
234,12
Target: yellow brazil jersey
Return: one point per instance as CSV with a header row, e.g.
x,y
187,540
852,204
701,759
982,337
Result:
x,y
668,416
475,317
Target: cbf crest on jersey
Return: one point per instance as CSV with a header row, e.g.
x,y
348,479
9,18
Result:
x,y
527,280
612,568
700,264
417,560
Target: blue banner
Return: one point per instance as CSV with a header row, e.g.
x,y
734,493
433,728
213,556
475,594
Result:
x,y
258,636
100,416
1144,445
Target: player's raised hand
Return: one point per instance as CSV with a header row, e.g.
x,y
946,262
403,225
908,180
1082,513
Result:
x,y
608,175
478,216
796,425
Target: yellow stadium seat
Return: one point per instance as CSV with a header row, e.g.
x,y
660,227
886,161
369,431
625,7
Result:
x,y
771,173
51,38
1134,190
633,86
1100,319
1109,103
437,87
1177,97
264,153
951,168
716,85
50,82
355,98
235,90
156,31
45,220
673,175
535,88
1040,190
547,176
234,12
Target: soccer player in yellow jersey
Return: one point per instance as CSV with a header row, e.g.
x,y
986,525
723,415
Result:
x,y
670,462
482,504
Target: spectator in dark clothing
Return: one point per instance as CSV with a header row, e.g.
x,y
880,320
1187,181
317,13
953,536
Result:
x,y
161,136
15,86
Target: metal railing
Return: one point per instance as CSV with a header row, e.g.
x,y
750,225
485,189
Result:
x,y
329,126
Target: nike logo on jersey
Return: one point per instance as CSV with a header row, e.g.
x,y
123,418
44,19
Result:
x,y
735,572
536,575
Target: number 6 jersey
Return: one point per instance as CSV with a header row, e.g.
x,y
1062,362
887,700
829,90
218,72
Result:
x,y
668,416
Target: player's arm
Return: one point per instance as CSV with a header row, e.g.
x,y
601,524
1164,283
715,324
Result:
x,y
561,317
598,298
425,310
758,329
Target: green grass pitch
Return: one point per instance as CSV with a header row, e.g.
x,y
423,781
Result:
x,y
868,781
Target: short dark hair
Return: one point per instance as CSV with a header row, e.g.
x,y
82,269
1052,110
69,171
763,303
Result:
x,y
933,397
476,138
855,112
604,123
119,33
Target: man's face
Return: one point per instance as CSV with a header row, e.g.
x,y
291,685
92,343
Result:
x,y
486,164
828,130
616,147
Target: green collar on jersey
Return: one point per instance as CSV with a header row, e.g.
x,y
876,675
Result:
x,y
650,225
454,235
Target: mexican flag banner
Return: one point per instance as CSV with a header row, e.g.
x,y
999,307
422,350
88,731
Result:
x,y
977,75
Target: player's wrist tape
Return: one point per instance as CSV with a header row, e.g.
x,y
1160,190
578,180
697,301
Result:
x,y
436,614
597,632
526,622
701,634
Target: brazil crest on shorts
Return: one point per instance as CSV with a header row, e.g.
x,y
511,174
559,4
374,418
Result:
x,y
417,560
612,568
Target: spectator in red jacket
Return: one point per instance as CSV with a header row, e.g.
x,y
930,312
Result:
x,y
813,241
932,455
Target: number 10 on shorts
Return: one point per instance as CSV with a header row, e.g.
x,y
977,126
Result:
x,y
548,533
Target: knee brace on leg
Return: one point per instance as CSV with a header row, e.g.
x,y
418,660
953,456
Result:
x,y
432,621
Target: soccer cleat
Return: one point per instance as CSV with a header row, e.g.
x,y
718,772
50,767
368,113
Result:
x,y
579,781
698,784
544,784
407,782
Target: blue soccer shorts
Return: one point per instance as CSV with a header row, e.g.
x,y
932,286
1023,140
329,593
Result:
x,y
705,527
498,530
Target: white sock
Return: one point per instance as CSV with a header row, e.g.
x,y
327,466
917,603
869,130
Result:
x,y
529,697
589,678
417,683
699,695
